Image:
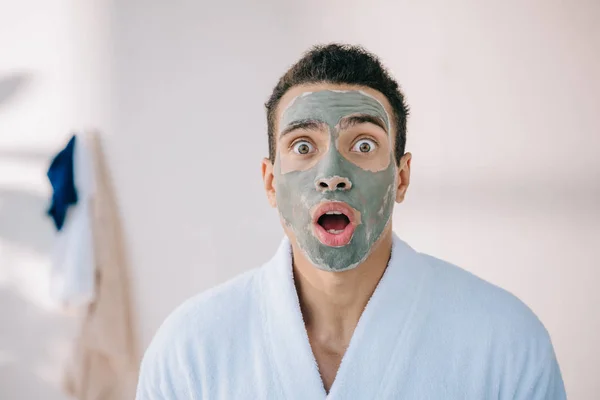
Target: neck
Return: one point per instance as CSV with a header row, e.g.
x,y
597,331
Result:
x,y
332,302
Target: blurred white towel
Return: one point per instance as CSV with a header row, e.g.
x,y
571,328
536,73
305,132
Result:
x,y
72,279
103,364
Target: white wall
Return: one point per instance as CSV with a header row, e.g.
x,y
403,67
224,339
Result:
x,y
503,133
53,79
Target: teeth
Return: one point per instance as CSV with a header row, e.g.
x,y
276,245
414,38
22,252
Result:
x,y
333,213
335,232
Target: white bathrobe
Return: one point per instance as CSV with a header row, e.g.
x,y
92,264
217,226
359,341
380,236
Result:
x,y
430,331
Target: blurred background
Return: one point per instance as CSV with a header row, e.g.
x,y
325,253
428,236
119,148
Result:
x,y
504,132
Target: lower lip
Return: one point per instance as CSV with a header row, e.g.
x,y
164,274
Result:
x,y
333,239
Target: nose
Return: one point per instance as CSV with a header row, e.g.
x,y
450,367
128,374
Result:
x,y
333,183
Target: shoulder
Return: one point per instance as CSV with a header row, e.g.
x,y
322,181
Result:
x,y
485,321
474,307
210,313
195,332
478,296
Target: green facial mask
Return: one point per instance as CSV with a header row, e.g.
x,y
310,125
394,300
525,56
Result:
x,y
371,193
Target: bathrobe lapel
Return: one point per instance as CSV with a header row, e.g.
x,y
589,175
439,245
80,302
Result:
x,y
377,345
285,333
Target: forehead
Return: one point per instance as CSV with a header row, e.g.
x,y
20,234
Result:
x,y
330,102
330,106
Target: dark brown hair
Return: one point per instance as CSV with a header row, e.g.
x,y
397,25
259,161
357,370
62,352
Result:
x,y
341,64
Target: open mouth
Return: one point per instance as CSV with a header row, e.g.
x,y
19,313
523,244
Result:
x,y
334,223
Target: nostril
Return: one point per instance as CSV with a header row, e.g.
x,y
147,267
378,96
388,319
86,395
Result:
x,y
323,184
341,185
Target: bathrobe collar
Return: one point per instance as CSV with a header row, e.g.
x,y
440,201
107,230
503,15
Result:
x,y
372,352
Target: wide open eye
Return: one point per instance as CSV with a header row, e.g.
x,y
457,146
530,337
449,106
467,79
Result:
x,y
364,146
303,147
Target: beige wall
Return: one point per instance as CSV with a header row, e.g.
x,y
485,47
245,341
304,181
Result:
x,y
503,132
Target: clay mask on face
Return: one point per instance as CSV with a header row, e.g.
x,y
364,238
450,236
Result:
x,y
336,209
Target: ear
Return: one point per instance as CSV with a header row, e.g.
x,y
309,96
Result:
x,y
403,177
268,180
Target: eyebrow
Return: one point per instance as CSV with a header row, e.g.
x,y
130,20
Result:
x,y
353,120
305,124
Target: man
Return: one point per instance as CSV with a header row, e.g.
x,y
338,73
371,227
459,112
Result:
x,y
346,309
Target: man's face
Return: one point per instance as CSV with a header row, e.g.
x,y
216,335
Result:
x,y
335,176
